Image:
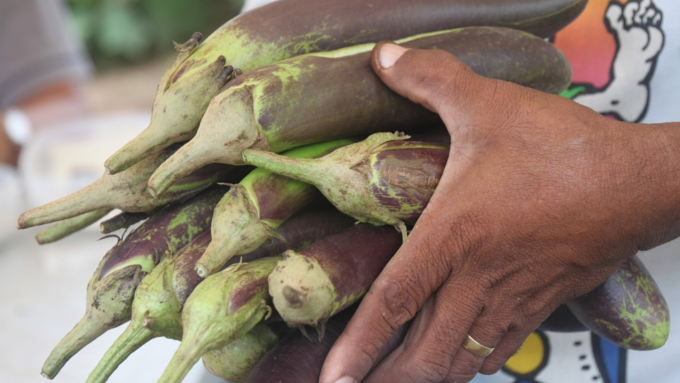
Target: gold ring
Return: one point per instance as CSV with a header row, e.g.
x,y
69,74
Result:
x,y
475,348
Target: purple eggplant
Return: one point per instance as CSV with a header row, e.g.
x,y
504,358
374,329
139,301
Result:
x,y
159,299
311,286
279,31
236,360
628,309
297,358
111,289
249,214
326,96
381,180
222,308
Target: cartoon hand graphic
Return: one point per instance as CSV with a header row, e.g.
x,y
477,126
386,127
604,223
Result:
x,y
636,27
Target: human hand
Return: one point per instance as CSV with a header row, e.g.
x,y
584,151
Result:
x,y
541,200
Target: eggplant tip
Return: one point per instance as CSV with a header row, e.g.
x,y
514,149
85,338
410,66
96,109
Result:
x,y
22,222
147,323
44,374
201,270
293,297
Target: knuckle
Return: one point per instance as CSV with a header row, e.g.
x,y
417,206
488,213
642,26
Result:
x,y
400,296
368,350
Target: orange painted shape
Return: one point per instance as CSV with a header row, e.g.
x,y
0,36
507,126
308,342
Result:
x,y
588,45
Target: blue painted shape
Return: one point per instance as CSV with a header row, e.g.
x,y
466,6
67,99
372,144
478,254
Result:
x,y
611,355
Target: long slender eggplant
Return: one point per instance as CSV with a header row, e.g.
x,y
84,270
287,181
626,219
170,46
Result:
x,y
628,309
112,287
250,212
126,191
122,220
390,182
69,226
381,180
311,286
159,299
325,96
297,358
279,31
236,360
223,307
109,298
167,231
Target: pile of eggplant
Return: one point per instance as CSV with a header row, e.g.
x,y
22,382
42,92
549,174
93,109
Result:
x,y
239,262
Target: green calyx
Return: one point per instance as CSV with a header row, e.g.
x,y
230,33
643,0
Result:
x,y
236,230
109,303
178,106
222,308
69,226
238,227
338,175
227,128
237,359
154,297
126,191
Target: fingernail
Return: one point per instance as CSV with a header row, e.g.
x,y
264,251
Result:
x,y
389,54
347,379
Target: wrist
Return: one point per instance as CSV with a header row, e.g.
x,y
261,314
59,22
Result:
x,y
655,173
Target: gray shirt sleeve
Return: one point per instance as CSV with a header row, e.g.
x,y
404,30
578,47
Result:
x,y
36,48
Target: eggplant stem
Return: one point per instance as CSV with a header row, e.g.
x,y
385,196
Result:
x,y
90,198
85,331
128,342
69,226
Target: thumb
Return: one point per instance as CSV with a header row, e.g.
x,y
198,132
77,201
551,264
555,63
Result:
x,y
434,79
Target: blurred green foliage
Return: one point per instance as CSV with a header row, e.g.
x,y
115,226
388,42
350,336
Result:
x,y
120,32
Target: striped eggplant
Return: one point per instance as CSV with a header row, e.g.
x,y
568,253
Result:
x,y
156,309
69,226
250,212
282,30
223,307
381,180
112,287
309,287
628,309
122,220
126,191
325,96
236,360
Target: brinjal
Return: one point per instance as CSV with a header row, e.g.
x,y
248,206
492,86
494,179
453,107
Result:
x,y
326,96
281,30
